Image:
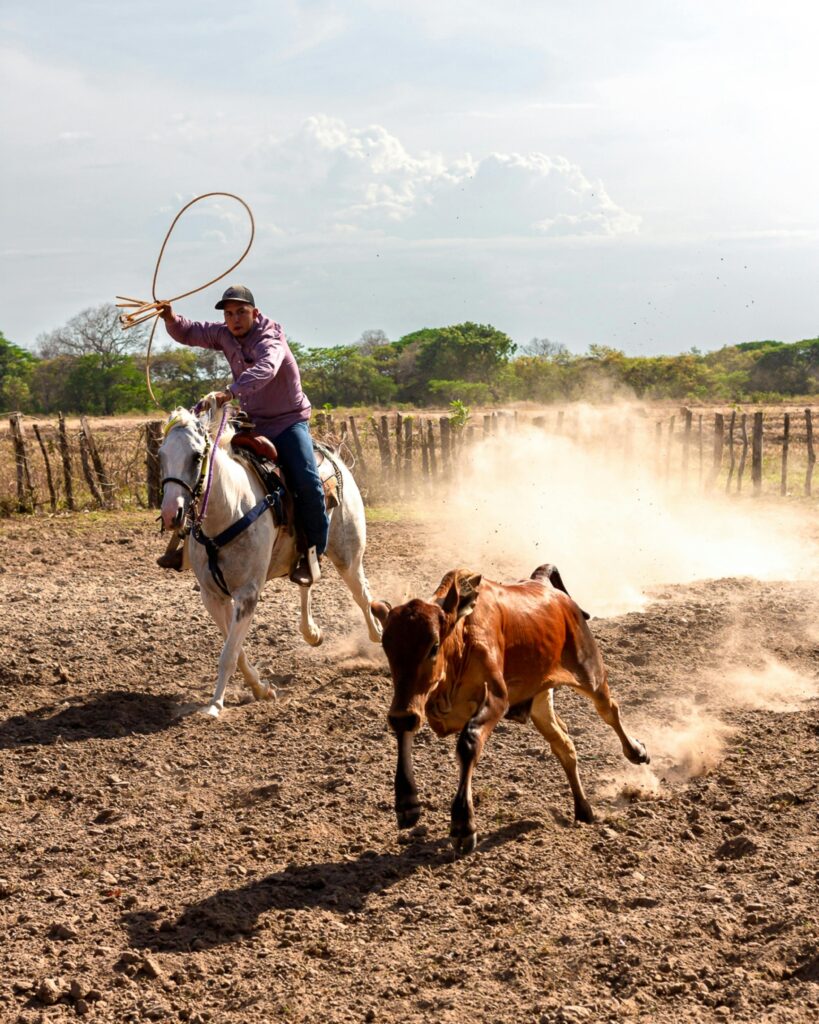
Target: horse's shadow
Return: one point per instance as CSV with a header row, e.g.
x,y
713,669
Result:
x,y
105,715
339,886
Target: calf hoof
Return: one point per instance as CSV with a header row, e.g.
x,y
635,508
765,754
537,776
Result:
x,y
583,813
638,753
408,816
463,845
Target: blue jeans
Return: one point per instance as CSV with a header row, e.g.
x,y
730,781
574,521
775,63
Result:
x,y
295,448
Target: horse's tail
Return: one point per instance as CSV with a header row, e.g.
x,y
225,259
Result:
x,y
552,574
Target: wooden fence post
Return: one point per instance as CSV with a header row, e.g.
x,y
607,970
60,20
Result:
x,y
811,452
433,463
359,451
669,446
52,497
786,438
89,472
756,454
744,454
153,440
408,425
106,487
65,453
445,446
688,417
559,425
658,447
699,450
25,491
716,461
422,437
487,425
399,447
731,455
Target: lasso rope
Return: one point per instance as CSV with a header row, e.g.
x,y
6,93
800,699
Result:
x,y
142,311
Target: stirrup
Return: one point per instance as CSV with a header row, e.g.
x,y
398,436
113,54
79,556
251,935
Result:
x,y
307,570
171,560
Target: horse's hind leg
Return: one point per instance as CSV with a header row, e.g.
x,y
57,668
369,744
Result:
x,y
549,725
309,630
353,576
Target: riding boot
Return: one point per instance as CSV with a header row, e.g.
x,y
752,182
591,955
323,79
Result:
x,y
307,570
172,559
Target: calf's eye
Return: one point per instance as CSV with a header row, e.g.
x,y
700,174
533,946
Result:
x,y
433,651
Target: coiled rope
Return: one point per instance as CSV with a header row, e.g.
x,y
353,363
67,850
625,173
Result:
x,y
140,311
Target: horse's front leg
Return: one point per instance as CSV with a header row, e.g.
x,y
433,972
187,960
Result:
x,y
234,624
309,630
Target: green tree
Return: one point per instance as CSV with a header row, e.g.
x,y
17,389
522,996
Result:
x,y
16,370
343,376
474,353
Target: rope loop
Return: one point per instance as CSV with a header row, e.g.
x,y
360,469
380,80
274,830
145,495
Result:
x,y
141,311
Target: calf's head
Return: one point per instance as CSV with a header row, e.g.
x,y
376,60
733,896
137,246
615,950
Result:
x,y
415,638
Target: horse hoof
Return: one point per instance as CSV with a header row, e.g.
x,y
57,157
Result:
x,y
464,844
583,813
267,691
211,711
314,639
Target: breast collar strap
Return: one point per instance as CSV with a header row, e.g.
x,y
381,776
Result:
x,y
212,545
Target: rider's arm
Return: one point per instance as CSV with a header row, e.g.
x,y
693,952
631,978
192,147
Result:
x,y
190,332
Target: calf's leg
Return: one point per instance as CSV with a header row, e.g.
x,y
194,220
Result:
x,y
407,804
549,725
463,830
582,658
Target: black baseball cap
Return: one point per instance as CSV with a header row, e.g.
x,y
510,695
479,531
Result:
x,y
236,293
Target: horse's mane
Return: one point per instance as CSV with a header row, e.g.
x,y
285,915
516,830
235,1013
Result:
x,y
209,420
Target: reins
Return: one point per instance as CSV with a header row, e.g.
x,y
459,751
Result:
x,y
202,486
141,311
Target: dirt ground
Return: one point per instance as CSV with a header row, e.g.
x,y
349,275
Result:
x,y
158,865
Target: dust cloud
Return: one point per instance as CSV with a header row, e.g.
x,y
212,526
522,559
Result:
x,y
622,520
601,506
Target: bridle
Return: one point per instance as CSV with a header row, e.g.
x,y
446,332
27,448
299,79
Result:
x,y
195,490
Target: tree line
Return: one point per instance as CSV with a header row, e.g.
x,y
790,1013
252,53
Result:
x,y
91,366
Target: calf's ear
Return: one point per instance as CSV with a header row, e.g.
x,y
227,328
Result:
x,y
462,596
381,609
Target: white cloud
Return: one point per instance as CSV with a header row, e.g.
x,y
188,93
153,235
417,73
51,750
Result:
x,y
365,179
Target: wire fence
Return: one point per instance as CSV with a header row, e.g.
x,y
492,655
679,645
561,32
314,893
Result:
x,y
49,465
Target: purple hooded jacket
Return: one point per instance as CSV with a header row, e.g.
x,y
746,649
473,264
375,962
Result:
x,y
266,379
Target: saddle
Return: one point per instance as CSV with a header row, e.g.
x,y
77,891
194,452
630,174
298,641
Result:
x,y
260,454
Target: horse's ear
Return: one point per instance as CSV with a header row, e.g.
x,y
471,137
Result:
x,y
381,609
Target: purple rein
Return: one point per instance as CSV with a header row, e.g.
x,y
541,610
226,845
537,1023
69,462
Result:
x,y
209,481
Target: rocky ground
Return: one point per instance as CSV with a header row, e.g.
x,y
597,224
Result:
x,y
158,865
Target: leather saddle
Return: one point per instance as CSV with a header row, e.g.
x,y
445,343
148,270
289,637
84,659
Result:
x,y
260,453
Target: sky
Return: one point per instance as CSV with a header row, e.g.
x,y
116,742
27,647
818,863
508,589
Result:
x,y
639,174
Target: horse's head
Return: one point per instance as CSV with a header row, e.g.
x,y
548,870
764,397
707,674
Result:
x,y
182,463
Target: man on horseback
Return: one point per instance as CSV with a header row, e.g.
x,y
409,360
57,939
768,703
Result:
x,y
267,383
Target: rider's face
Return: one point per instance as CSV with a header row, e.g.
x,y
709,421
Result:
x,y
239,318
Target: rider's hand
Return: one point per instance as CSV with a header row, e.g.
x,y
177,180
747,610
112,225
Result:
x,y
222,397
165,311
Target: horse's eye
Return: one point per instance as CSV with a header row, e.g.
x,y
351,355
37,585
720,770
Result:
x,y
433,651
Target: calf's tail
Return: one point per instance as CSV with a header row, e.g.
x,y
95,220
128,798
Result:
x,y
552,574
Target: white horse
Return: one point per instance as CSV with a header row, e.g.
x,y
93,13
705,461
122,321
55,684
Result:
x,y
261,551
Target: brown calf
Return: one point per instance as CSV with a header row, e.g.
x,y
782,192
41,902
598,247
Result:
x,y
481,650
